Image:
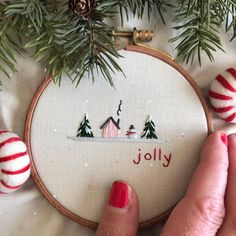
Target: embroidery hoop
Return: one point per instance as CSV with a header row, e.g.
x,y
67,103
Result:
x,y
28,124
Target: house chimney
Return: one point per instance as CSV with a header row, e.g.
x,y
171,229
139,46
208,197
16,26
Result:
x,y
118,122
119,108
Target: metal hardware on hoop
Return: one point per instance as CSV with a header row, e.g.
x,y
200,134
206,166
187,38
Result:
x,y
136,37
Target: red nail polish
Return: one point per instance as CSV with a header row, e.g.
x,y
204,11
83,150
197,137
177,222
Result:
x,y
119,196
224,139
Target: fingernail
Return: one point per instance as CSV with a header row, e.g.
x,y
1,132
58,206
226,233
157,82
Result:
x,y
224,139
120,195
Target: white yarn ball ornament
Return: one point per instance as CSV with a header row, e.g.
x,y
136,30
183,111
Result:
x,y
223,95
14,162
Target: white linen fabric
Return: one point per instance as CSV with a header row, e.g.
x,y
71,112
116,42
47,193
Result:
x,y
78,172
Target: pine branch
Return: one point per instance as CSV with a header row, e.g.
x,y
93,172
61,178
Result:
x,y
8,45
49,45
137,7
38,26
68,44
199,25
91,45
77,45
230,19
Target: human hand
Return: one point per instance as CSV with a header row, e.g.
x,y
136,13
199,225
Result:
x,y
208,207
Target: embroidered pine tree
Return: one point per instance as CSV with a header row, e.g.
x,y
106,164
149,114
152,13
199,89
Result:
x,y
149,131
85,128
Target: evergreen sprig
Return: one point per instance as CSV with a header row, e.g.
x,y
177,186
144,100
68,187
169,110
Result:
x,y
66,43
42,29
199,22
91,47
8,45
137,7
230,19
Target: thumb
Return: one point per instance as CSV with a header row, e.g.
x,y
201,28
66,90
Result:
x,y
121,214
201,211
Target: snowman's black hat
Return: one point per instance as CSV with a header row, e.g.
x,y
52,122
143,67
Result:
x,y
131,127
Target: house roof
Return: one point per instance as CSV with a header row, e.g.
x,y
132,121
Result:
x,y
113,121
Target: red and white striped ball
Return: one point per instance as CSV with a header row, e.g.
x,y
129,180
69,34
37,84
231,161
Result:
x,y
223,95
14,162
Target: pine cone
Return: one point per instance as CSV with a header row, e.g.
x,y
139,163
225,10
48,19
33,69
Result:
x,y
83,8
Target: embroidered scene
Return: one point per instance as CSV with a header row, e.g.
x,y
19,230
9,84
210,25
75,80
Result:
x,y
111,130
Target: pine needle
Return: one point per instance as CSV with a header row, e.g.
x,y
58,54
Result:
x,y
67,44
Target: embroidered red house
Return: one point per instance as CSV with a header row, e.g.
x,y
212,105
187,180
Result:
x,y
110,129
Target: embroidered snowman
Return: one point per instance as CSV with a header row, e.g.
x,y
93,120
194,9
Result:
x,y
131,133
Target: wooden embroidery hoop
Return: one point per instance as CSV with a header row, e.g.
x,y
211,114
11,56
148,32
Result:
x,y
27,134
